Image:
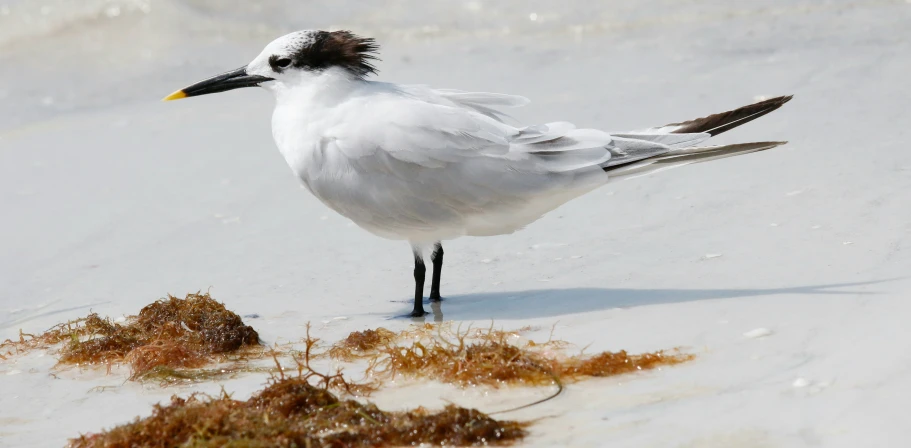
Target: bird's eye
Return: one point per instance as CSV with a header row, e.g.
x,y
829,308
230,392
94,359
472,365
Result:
x,y
283,62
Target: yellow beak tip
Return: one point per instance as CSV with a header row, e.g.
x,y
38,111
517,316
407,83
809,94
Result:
x,y
175,96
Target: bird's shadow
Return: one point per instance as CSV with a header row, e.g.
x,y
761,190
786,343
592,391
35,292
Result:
x,y
557,302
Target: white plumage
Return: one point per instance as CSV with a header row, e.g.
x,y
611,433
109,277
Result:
x,y
421,165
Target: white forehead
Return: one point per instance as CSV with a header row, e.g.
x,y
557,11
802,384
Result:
x,y
283,47
290,42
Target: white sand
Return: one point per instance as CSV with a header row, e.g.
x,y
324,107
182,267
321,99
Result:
x,y
111,199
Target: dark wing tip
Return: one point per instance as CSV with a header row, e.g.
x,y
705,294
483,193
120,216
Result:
x,y
725,121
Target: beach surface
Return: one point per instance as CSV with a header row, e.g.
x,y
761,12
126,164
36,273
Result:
x,y
785,272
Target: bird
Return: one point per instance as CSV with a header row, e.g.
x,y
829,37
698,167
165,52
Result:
x,y
425,165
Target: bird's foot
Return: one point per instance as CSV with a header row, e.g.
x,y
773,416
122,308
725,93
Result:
x,y
418,313
436,298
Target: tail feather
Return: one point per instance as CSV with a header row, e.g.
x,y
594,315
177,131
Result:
x,y
672,152
678,158
725,121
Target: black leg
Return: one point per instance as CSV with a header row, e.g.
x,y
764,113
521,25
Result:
x,y
419,271
437,258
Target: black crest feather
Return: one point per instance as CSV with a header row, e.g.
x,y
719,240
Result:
x,y
336,49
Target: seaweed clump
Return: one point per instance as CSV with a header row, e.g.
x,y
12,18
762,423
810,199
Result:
x,y
67,331
491,358
292,412
618,363
489,362
360,344
169,334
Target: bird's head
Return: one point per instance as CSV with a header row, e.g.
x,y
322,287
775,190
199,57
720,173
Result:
x,y
291,60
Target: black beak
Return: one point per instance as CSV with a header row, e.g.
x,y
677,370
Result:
x,y
234,79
